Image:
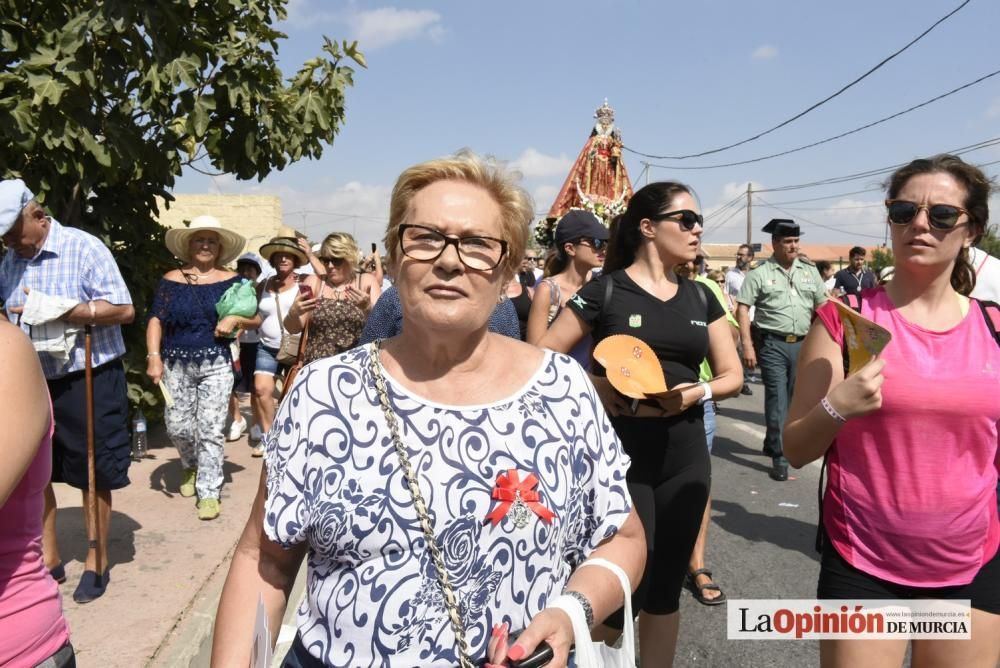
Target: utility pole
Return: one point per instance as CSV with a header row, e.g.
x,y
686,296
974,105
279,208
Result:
x,y
749,230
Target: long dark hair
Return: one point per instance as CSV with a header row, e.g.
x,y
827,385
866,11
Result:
x,y
556,262
977,203
648,202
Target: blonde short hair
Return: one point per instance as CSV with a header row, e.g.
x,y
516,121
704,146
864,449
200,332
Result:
x,y
341,244
516,207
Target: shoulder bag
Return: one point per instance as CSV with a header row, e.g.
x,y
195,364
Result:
x,y
290,346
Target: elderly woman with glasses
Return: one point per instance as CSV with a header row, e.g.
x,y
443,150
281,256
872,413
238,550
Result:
x,y
910,439
445,483
580,243
335,302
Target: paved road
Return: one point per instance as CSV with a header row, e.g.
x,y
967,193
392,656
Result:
x,y
760,544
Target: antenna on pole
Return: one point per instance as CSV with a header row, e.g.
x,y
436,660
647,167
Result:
x,y
749,204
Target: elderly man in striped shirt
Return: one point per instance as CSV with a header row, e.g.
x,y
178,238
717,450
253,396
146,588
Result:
x,y
55,281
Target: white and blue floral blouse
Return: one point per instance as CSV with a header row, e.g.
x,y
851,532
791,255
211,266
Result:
x,y
334,480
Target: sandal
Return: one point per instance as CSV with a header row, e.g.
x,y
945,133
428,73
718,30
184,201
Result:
x,y
699,590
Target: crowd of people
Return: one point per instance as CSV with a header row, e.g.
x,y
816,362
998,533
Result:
x,y
441,444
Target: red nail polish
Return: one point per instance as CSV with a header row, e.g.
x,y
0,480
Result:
x,y
505,629
515,653
496,630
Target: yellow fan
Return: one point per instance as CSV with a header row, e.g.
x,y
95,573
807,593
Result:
x,y
632,367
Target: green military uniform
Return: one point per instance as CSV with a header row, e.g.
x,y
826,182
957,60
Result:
x,y
785,302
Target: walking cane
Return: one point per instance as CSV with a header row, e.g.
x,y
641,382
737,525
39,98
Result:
x,y
93,521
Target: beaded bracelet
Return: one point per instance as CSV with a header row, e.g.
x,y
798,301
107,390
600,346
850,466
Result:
x,y
588,610
831,411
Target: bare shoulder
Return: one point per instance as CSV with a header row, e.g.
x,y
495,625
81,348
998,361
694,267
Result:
x,y
13,340
174,275
226,275
20,361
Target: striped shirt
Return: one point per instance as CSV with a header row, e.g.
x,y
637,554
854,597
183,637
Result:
x,y
75,265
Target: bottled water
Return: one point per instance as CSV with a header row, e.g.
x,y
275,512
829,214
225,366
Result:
x,y
138,436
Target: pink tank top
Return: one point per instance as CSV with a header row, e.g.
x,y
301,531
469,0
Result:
x,y
31,617
911,496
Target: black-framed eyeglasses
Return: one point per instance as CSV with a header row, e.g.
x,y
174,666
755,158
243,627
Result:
x,y
688,218
940,216
596,244
426,244
335,261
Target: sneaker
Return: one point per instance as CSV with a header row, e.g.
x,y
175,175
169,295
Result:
x,y
746,391
187,482
236,429
257,450
208,509
255,433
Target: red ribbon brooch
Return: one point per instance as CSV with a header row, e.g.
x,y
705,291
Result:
x,y
518,498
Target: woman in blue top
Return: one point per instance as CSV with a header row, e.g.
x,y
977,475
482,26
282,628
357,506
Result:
x,y
189,350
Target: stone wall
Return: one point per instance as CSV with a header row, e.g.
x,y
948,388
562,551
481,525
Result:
x,y
256,217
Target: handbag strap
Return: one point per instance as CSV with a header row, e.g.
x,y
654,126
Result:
x,y
277,305
450,599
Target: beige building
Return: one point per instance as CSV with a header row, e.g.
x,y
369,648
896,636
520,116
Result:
x,y
256,217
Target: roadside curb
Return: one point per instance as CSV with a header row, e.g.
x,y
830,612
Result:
x,y
188,644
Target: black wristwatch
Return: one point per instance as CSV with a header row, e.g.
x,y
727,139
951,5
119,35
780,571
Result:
x,y
588,610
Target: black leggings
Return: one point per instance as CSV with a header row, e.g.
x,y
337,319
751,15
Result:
x,y
669,480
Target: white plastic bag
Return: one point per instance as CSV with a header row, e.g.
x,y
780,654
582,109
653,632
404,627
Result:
x,y
590,654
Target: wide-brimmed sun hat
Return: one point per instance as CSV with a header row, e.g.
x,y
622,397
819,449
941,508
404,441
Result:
x,y
288,245
231,243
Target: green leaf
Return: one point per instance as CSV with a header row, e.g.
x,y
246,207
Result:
x,y
351,51
182,69
46,89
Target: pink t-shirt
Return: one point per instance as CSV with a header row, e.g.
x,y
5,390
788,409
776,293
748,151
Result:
x,y
911,496
31,614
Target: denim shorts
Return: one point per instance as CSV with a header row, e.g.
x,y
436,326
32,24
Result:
x,y
267,361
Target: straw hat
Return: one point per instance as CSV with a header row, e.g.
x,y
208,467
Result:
x,y
178,239
283,245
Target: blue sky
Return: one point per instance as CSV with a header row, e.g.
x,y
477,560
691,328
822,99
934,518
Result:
x,y
521,80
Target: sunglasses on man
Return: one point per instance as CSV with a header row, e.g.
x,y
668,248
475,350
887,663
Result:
x,y
687,218
940,216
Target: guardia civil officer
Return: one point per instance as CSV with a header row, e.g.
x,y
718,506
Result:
x,y
785,289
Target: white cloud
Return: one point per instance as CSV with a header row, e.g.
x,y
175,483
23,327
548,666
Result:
x,y
381,27
533,164
994,109
765,52
303,13
544,196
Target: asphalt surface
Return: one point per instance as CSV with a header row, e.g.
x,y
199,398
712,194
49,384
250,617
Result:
x,y
760,544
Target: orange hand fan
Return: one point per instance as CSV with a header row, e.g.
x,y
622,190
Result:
x,y
631,365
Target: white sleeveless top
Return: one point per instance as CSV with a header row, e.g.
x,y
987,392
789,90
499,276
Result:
x,y
270,329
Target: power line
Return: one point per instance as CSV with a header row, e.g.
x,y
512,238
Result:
x,y
722,222
816,199
875,172
825,227
835,137
812,107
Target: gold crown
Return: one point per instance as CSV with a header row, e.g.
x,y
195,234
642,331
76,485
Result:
x,y
605,113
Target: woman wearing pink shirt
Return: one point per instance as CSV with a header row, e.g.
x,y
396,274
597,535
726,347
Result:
x,y
910,510
32,628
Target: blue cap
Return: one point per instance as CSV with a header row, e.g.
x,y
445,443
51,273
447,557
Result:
x,y
14,195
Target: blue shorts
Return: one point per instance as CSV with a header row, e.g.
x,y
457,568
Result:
x,y
709,424
267,361
112,440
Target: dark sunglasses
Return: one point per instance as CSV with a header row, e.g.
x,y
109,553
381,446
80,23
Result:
x,y
335,261
596,244
940,216
688,218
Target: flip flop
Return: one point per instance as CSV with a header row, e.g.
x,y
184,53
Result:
x,y
699,590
